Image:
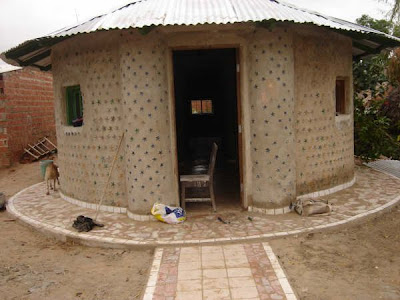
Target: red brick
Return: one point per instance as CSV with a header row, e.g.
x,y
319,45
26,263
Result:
x,y
28,94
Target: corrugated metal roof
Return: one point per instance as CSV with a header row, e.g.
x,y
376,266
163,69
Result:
x,y
194,12
143,13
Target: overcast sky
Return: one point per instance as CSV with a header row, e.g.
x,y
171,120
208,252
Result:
x,y
21,20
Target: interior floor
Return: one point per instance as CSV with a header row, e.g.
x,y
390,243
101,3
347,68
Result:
x,y
227,191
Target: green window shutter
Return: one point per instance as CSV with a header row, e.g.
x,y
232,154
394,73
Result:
x,y
69,106
74,103
80,106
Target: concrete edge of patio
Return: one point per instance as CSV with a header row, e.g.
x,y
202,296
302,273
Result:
x,y
87,239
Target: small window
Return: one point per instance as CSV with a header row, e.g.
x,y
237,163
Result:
x,y
1,91
202,107
74,106
341,96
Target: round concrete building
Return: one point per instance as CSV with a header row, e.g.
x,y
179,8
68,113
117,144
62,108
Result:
x,y
269,83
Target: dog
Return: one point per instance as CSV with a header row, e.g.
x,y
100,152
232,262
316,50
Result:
x,y
51,174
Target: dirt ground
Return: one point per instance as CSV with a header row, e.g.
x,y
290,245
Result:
x,y
355,262
35,267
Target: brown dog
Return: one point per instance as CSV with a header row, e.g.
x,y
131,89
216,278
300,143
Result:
x,y
51,174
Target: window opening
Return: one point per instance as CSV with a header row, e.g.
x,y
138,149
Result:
x,y
74,106
340,91
202,107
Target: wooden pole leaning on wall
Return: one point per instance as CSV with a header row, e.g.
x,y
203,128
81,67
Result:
x,y
109,176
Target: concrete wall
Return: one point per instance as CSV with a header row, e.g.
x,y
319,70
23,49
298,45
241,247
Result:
x,y
149,165
26,112
324,142
271,79
123,82
86,153
292,141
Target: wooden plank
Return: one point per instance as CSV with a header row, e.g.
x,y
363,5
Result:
x,y
44,145
55,147
36,58
172,115
206,47
240,126
27,151
38,146
197,199
33,148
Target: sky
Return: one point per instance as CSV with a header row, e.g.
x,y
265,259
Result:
x,y
21,20
348,10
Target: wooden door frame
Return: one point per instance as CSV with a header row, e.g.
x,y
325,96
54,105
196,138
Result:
x,y
239,83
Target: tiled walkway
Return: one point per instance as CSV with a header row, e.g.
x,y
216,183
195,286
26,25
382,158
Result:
x,y
200,265
372,192
242,271
387,166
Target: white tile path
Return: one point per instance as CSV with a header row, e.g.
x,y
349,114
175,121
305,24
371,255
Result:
x,y
241,271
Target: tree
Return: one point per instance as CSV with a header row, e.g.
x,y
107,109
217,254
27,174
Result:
x,y
382,25
370,72
376,122
394,13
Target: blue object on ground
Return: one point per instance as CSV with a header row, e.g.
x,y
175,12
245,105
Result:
x,y
43,165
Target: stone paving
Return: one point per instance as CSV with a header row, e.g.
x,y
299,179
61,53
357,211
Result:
x,y
387,166
246,268
372,192
241,271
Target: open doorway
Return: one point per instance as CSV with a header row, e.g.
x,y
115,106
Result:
x,y
206,110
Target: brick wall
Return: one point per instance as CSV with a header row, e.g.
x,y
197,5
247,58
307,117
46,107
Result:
x,y
4,155
26,112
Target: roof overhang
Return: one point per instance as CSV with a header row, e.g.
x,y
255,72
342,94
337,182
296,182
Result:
x,y
35,53
145,14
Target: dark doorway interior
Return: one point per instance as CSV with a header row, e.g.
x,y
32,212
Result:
x,y
206,112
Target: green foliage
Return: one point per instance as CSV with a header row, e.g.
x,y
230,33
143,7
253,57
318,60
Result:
x,y
375,133
371,136
391,109
369,72
381,25
394,13
396,30
375,128
393,68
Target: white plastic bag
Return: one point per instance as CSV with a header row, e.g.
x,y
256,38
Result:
x,y
168,214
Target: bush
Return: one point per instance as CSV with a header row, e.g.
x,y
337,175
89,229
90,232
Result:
x,y
377,100
371,131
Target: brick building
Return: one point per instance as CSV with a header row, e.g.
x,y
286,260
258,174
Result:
x,y
26,110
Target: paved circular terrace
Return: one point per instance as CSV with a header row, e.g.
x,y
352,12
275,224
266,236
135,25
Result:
x,y
386,166
373,192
